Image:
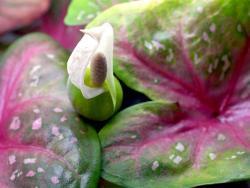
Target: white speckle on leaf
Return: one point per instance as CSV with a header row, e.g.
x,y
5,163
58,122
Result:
x,y
226,63
221,137
55,131
155,165
36,111
205,37
210,68
35,69
60,137
58,110
170,56
148,45
54,180
212,156
51,56
199,9
37,124
162,35
12,159
133,136
157,45
40,170
19,173
177,159
180,147
15,123
90,16
171,156
29,161
63,119
240,152
233,157
212,28
13,175
156,81
80,15
239,28
31,173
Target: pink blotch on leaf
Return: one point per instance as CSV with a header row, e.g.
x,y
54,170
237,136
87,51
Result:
x,y
37,124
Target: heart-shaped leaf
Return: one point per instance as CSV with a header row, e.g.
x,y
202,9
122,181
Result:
x,y
42,141
17,13
161,145
196,54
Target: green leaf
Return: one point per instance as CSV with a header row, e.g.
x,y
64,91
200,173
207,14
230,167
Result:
x,y
149,55
194,54
159,145
81,12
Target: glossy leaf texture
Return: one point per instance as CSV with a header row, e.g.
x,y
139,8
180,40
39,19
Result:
x,y
81,12
194,56
17,13
43,143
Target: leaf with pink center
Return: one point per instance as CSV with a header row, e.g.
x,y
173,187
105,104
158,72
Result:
x,y
42,140
17,13
195,56
156,144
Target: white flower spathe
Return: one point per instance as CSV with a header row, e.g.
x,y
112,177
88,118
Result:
x,y
95,40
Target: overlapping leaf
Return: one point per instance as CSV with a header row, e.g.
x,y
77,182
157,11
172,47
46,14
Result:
x,y
42,141
194,54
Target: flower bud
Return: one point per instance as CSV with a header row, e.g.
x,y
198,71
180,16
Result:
x,y
93,90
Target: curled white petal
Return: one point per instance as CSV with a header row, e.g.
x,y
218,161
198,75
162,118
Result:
x,y
96,40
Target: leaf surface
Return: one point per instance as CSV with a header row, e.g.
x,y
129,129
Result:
x,y
194,57
42,141
81,12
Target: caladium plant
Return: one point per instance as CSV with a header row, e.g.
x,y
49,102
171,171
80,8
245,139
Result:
x,y
43,143
17,13
191,57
